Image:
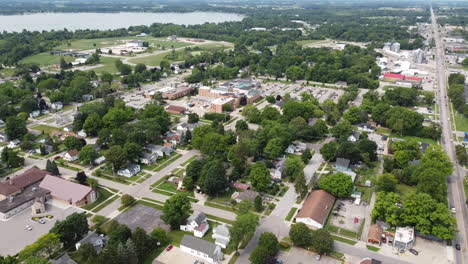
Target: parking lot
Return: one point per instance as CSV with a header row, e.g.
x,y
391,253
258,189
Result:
x,y
142,216
302,256
14,236
429,252
320,93
176,255
348,215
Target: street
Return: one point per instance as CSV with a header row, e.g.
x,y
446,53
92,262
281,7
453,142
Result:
x,y
455,185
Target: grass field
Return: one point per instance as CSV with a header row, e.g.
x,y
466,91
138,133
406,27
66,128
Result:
x,y
155,60
461,122
291,213
7,72
102,196
45,128
404,189
310,41
45,58
418,139
86,44
108,65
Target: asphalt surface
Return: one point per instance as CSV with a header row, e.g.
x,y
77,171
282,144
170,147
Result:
x,y
455,185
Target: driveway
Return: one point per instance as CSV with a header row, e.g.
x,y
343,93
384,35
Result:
x,y
14,236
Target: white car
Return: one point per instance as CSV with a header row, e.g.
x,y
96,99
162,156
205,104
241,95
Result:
x,y
454,210
28,227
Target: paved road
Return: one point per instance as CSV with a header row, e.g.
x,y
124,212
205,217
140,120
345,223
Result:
x,y
455,186
365,253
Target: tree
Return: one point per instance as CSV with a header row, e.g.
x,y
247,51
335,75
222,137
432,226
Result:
x,y
300,185
193,118
139,68
160,236
133,150
294,73
244,226
45,245
81,177
258,203
142,243
338,184
86,253
116,157
387,182
93,124
241,125
328,151
431,182
11,158
274,148
93,183
268,246
300,235
107,77
306,156
176,210
260,177
342,130
52,167
127,200
322,241
88,154
73,143
72,229
354,115
193,170
213,178
15,128
293,168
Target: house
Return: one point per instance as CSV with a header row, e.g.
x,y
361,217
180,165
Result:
x,y
174,109
221,235
71,155
355,136
366,127
63,259
56,106
39,206
87,97
67,191
47,148
21,201
35,114
82,133
187,126
404,238
196,223
375,234
99,160
240,186
370,261
131,170
14,143
161,151
148,158
342,164
277,171
200,248
172,138
98,241
2,123
316,209
291,149
3,137
245,195
17,184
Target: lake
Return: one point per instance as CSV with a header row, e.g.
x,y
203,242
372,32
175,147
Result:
x,y
103,21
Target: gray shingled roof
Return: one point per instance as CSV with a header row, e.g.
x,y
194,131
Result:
x,y
198,217
199,245
342,162
64,259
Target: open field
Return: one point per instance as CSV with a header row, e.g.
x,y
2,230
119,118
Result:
x,y
108,65
45,58
86,44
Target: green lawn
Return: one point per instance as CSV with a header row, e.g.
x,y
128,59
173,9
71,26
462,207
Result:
x,y
371,248
108,65
150,204
103,194
404,189
344,240
461,122
309,41
418,139
291,213
45,58
45,128
86,44
224,198
155,60
218,206
7,72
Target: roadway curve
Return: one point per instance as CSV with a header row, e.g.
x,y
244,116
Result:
x,y
455,186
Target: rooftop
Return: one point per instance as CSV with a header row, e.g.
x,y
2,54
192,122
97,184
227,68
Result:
x,y
404,234
30,193
199,245
64,189
317,206
19,182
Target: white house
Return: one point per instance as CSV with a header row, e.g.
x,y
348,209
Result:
x,y
100,160
149,158
221,235
56,106
35,114
196,223
3,137
354,137
82,133
97,241
200,248
161,151
14,143
131,170
2,123
71,155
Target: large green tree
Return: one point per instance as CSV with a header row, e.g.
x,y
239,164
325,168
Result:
x,y
72,229
338,184
260,177
176,210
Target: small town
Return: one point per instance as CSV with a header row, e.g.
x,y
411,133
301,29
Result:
x,y
280,136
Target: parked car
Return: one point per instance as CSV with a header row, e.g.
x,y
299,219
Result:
x,y
56,157
454,210
41,221
318,257
457,246
28,227
169,248
414,251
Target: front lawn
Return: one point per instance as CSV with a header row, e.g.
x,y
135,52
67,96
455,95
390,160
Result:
x,y
404,190
45,128
103,195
